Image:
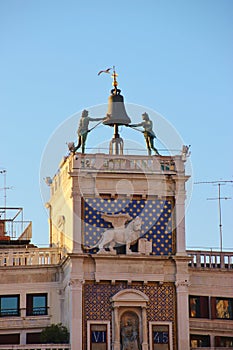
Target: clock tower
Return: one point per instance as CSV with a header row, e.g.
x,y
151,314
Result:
x,y
121,219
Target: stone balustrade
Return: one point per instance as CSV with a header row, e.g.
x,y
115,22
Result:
x,y
211,259
52,256
30,256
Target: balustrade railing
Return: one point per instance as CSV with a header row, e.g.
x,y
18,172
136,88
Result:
x,y
211,259
30,256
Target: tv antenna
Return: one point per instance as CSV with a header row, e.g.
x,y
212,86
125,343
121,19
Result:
x,y
4,188
219,199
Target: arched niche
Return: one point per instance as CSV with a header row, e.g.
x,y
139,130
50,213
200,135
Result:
x,y
134,302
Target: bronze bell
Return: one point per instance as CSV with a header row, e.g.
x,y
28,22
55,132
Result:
x,y
116,113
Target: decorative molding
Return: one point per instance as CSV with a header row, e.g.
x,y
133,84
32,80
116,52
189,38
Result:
x,y
181,284
76,283
61,292
75,194
130,296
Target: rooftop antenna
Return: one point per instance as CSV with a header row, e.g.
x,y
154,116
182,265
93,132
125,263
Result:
x,y
4,188
219,198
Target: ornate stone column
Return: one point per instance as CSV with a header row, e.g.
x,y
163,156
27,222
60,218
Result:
x,y
76,313
116,340
144,330
182,314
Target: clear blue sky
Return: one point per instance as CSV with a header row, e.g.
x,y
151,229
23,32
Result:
x,y
175,57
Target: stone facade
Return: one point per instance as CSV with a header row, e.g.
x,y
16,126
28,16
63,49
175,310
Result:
x,y
152,188
140,296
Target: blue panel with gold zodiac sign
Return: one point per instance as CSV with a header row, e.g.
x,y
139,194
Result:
x,y
156,215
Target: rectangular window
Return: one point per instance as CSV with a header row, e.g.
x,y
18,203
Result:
x,y
37,304
33,338
160,335
222,308
9,305
98,335
225,342
9,339
198,306
199,341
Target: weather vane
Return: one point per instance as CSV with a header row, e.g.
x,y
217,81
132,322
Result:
x,y
114,76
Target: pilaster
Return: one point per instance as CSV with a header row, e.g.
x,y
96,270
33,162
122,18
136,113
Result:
x,y
116,341
76,286
144,330
77,222
23,337
182,314
180,197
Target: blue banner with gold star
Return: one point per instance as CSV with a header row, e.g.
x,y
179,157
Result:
x,y
156,215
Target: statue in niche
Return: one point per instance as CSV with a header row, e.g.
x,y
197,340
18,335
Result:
x,y
129,333
148,132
